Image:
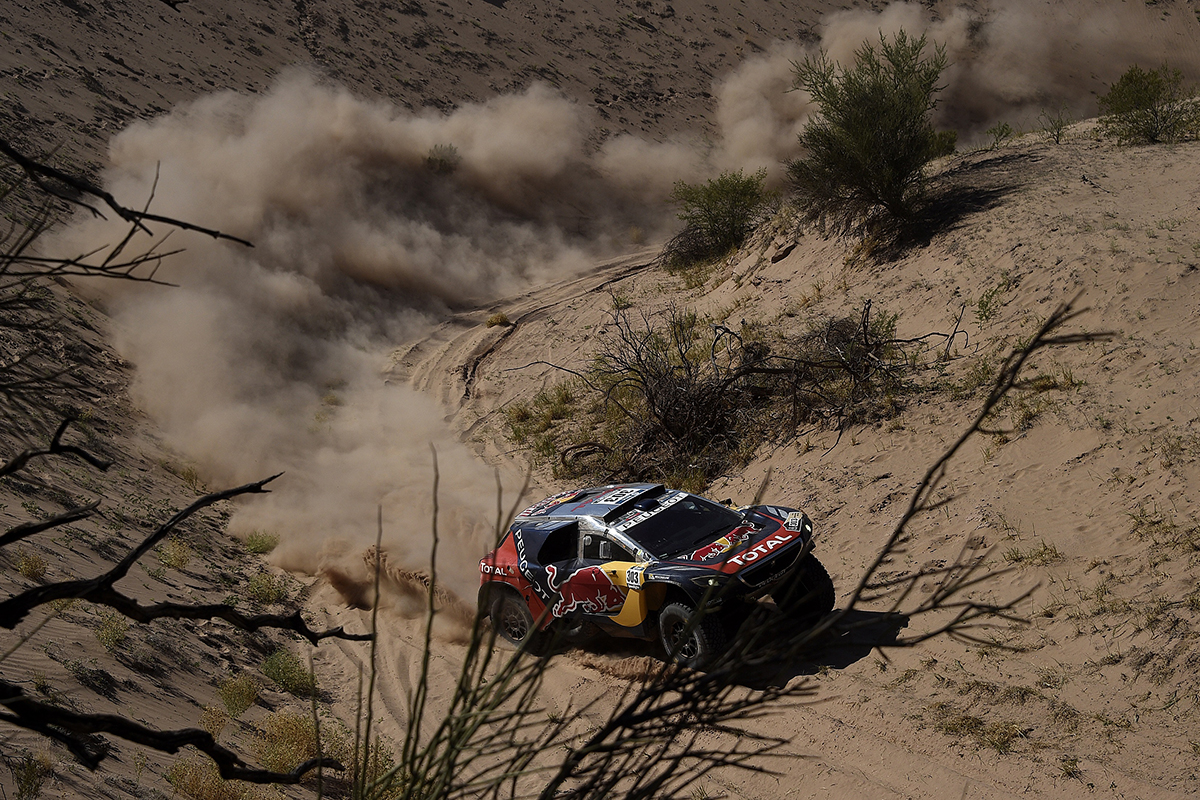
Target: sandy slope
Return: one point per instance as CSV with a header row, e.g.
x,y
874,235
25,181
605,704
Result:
x,y
1104,476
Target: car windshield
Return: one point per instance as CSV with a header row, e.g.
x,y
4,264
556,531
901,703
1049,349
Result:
x,y
683,525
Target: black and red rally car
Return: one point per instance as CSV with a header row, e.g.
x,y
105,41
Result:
x,y
638,560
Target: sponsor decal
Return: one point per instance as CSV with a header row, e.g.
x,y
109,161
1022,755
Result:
x,y
539,508
794,520
629,521
491,569
722,545
618,496
762,549
523,565
588,590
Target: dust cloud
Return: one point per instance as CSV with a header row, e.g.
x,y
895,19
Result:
x,y
370,223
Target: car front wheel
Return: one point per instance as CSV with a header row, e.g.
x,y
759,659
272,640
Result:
x,y
810,593
691,643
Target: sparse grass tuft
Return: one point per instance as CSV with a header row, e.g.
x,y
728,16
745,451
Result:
x,y
285,668
499,318
1039,556
261,542
175,553
998,735
29,774
238,694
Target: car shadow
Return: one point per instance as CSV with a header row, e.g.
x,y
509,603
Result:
x,y
794,651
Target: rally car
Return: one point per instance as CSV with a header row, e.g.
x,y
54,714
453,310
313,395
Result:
x,y
638,560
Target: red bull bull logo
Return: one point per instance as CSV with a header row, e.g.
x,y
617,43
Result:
x,y
588,590
722,545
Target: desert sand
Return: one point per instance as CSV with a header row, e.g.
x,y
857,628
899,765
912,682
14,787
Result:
x,y
1089,503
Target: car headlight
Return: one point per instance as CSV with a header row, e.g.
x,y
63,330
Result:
x,y
708,581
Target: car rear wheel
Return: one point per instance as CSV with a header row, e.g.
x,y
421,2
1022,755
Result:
x,y
513,621
692,644
810,593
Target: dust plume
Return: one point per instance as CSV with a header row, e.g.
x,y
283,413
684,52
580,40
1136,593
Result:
x,y
269,359
1011,59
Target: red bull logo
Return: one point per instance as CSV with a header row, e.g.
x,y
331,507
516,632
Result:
x,y
588,590
722,545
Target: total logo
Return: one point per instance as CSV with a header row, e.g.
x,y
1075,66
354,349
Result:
x,y
762,548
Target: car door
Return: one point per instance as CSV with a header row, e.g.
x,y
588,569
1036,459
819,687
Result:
x,y
595,585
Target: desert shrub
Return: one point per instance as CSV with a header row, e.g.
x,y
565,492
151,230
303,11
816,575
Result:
x,y
238,694
261,542
113,629
286,669
718,216
265,589
284,740
499,318
214,719
866,150
1149,106
31,566
197,777
680,399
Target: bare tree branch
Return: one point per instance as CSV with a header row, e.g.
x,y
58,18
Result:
x,y
77,188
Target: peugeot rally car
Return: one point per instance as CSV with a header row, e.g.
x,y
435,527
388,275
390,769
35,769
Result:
x,y
638,560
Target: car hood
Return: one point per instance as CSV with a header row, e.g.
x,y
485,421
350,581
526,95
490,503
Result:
x,y
760,537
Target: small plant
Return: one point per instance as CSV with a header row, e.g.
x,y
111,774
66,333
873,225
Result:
x,y
1001,132
265,589
31,566
113,629
1056,123
443,159
499,318
1149,106
991,301
286,670
238,694
261,542
175,553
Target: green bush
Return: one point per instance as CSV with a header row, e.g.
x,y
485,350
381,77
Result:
x,y
1149,106
717,216
868,146
265,589
286,669
261,542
